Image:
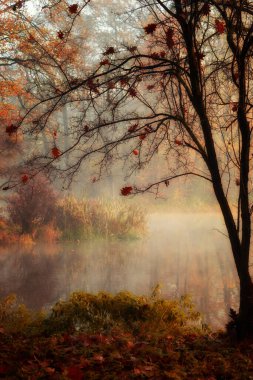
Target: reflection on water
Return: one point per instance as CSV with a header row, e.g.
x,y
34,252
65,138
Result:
x,y
184,253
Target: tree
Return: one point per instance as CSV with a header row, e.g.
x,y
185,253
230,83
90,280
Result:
x,y
32,205
184,90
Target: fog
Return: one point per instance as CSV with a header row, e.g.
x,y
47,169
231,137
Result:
x,y
185,253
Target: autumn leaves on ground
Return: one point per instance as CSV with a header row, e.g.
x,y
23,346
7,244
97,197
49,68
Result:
x,y
117,337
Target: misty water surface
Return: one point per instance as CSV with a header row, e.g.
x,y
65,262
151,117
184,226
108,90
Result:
x,y
184,253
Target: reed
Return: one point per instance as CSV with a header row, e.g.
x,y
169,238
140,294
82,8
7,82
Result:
x,y
87,218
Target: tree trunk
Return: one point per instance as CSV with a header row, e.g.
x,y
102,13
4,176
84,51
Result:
x,y
245,316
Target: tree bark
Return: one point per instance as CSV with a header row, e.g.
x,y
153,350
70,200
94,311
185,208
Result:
x,y
244,323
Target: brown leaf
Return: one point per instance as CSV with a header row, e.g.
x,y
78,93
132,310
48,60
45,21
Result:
x,y
169,38
60,34
73,8
75,373
126,190
219,26
56,152
150,28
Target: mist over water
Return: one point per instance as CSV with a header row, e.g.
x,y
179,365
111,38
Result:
x,y
184,253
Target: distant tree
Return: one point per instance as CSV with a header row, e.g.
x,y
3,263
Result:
x,y
184,88
32,205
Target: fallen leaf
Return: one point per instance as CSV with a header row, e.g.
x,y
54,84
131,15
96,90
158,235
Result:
x,y
25,178
75,373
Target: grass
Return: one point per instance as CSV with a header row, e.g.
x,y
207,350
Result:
x,y
117,337
79,219
89,218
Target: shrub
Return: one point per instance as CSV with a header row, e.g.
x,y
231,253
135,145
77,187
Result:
x,y
32,205
102,311
16,318
48,233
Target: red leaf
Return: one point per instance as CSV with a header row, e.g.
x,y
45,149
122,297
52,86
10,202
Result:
x,y
60,34
11,129
148,129
92,86
105,62
56,152
111,85
109,51
155,55
162,54
135,152
234,107
236,76
55,134
133,128
166,182
200,56
18,5
150,28
143,136
132,49
4,369
49,370
24,178
126,190
124,81
169,38
205,9
150,87
73,8
75,373
132,92
130,344
219,26
98,358
178,142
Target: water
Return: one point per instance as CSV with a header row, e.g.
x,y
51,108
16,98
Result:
x,y
184,253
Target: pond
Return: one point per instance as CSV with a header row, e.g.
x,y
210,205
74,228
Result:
x,y
183,253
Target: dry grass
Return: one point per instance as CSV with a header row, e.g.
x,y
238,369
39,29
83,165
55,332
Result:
x,y
86,218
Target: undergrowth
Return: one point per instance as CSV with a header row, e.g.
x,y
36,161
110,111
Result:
x,y
116,337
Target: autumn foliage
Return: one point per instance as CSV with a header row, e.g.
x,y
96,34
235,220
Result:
x,y
32,205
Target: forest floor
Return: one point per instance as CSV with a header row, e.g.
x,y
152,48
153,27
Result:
x,y
142,348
